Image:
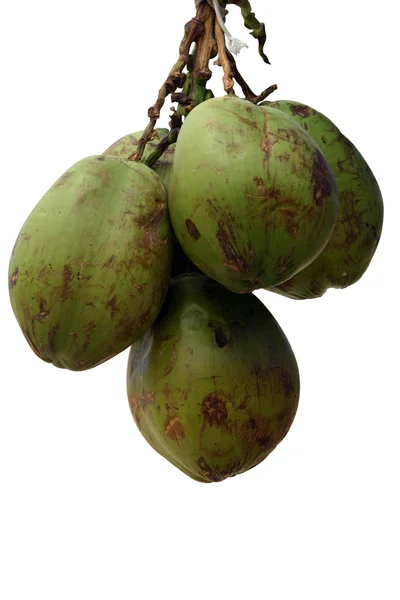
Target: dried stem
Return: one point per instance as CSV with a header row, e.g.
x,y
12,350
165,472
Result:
x,y
206,49
193,29
206,30
223,60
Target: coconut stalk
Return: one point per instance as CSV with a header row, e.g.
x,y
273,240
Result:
x,y
187,80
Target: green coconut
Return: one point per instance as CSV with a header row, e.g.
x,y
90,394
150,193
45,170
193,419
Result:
x,y
91,265
252,199
355,238
213,386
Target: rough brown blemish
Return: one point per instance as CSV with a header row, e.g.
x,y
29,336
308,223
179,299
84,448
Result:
x,y
112,305
175,431
42,315
101,158
67,279
143,400
266,147
52,336
261,185
256,431
14,278
110,262
321,178
171,365
299,110
226,240
214,410
192,229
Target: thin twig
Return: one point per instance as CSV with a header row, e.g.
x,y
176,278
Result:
x,y
265,94
247,91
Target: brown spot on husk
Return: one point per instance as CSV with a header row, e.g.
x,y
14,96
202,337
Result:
x,y
67,279
42,315
226,240
192,229
220,337
214,410
172,362
266,147
321,178
110,262
14,278
101,158
261,185
256,431
301,111
112,305
175,431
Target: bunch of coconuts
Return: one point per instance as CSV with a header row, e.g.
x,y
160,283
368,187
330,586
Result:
x,y
252,196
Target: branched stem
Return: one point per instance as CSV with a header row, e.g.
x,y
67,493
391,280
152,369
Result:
x,y
193,29
207,30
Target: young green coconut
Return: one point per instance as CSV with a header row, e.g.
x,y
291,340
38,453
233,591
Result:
x,y
252,199
213,386
91,265
355,238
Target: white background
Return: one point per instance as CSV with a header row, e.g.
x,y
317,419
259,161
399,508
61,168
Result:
x,y
88,509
